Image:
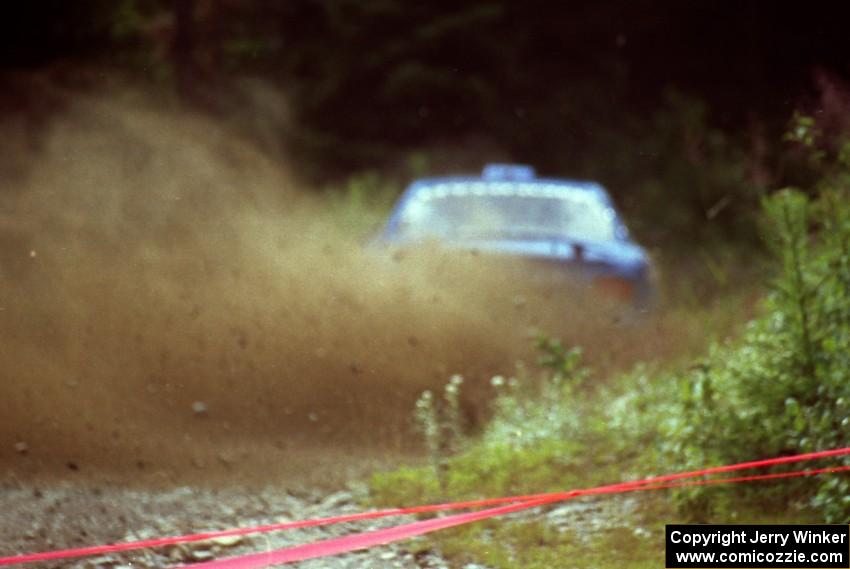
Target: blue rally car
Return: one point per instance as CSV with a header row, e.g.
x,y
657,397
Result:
x,y
567,226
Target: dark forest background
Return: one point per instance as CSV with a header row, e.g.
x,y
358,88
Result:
x,y
677,106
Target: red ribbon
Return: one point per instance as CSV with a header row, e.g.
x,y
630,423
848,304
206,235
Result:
x,y
369,539
366,540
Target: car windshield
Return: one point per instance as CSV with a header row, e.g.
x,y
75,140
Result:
x,y
482,210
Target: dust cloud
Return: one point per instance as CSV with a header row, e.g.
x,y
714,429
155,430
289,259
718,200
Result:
x,y
171,302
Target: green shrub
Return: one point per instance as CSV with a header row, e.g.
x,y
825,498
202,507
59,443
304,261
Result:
x,y
784,386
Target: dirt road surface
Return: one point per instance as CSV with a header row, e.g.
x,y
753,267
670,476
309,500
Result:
x,y
68,515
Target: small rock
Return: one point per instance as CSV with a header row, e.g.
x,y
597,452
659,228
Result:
x,y
202,555
21,447
177,554
227,540
200,408
104,561
337,499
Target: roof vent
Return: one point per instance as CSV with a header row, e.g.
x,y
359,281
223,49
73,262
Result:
x,y
508,172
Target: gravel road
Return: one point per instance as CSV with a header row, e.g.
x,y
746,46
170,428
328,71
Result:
x,y
65,515
39,519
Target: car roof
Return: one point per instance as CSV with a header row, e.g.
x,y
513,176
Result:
x,y
553,187
512,177
507,178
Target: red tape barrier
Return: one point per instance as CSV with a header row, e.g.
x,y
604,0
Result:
x,y
366,540
350,543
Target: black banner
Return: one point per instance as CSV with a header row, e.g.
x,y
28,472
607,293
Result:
x,y
744,546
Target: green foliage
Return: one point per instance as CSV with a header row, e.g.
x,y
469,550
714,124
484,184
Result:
x,y
442,426
486,471
686,177
784,387
528,410
565,363
428,423
529,443
804,131
535,544
547,436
